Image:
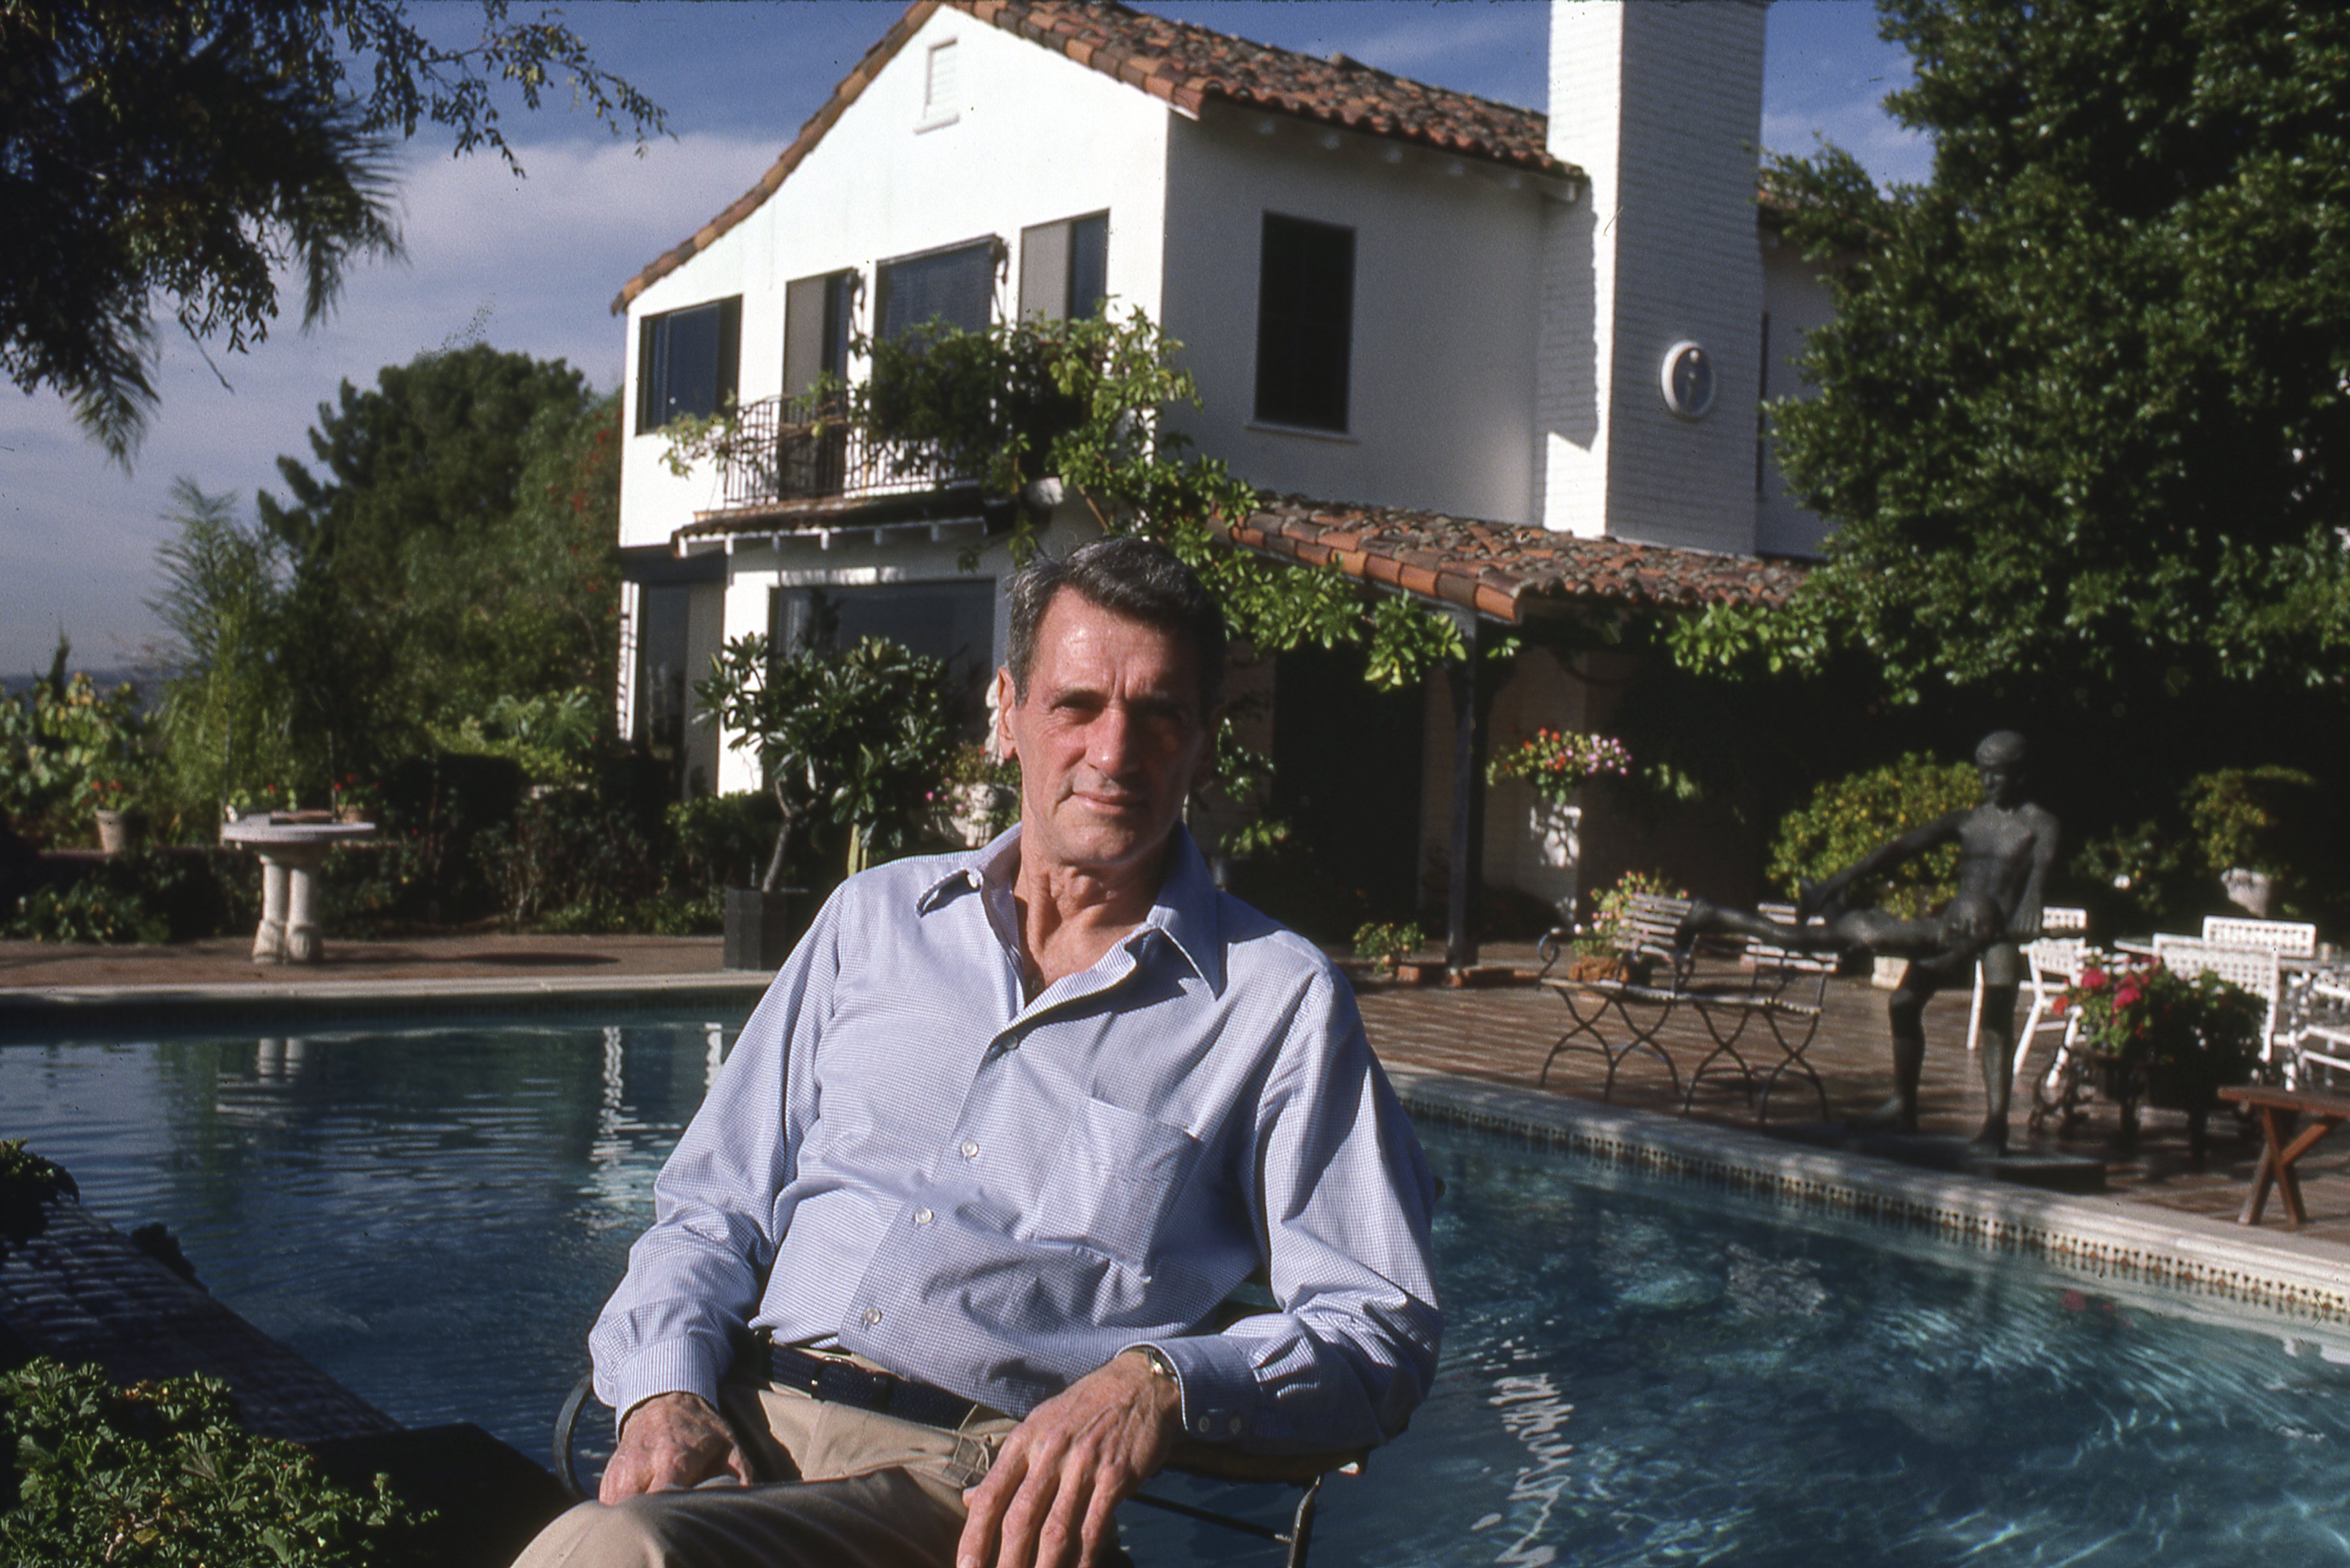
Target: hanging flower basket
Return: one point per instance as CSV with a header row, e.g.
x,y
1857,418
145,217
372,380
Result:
x,y
1559,761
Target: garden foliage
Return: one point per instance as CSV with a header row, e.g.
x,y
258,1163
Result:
x,y
1849,817
1610,930
2082,413
855,739
195,156
163,1474
67,749
1087,402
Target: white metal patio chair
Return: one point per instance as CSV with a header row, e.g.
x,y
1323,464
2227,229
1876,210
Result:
x,y
2286,938
2062,933
2323,1038
2253,968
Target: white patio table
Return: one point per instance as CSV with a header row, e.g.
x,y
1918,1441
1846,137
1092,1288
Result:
x,y
291,853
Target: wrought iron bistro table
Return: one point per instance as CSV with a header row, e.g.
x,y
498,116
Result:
x,y
291,852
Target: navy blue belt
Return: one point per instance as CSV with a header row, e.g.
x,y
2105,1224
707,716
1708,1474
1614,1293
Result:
x,y
841,1382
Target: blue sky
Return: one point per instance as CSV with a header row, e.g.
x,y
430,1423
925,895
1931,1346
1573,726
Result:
x,y
532,264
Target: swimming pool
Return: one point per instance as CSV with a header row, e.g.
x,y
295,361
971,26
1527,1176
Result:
x,y
1638,1370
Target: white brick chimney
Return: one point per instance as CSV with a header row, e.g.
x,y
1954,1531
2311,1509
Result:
x,y
1661,104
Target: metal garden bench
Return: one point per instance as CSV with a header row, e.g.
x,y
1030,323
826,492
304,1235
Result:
x,y
1783,989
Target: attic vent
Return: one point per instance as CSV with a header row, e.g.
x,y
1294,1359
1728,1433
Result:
x,y
939,101
1342,61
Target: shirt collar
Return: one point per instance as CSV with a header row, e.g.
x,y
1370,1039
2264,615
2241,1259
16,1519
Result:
x,y
1184,912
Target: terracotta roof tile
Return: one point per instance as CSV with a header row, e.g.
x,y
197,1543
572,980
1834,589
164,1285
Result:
x,y
1504,570
1185,65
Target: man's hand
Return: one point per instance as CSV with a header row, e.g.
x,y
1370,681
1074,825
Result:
x,y
669,1443
1063,1472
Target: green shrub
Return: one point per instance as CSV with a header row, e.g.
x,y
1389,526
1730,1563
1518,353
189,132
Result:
x,y
722,840
699,915
1849,817
2251,817
1606,932
89,910
67,749
1381,943
164,1474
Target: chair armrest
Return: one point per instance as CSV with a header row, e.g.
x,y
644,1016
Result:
x,y
1219,1463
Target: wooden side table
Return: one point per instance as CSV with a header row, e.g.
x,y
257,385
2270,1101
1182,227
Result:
x,y
2281,1144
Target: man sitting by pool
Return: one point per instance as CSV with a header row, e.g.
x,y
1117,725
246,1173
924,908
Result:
x,y
932,1269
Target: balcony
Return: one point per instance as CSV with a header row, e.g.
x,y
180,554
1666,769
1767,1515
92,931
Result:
x,y
780,453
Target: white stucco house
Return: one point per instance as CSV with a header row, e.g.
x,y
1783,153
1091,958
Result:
x,y
1504,361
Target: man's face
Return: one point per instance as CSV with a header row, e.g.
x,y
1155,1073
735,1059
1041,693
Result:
x,y
1109,738
2002,781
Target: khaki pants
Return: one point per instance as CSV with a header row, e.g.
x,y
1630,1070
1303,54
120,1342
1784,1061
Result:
x,y
839,1488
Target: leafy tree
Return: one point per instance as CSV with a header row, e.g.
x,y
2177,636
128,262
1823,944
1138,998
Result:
x,y
226,717
458,548
188,149
2081,411
855,739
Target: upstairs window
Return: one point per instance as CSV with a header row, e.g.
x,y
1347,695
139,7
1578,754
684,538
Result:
x,y
686,362
817,322
1064,268
955,288
1304,323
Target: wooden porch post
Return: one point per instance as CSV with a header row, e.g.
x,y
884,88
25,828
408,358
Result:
x,y
1472,699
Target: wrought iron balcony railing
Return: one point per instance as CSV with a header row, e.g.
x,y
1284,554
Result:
x,y
782,451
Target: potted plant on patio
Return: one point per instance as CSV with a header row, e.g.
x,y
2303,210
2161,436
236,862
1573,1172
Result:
x,y
122,814
854,738
2171,1039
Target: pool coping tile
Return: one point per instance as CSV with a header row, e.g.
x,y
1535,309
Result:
x,y
40,1010
2301,1278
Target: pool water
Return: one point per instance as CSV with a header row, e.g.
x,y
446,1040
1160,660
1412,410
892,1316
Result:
x,y
1636,1370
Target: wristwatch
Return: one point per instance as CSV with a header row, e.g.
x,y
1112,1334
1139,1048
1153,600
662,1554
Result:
x,y
1159,1364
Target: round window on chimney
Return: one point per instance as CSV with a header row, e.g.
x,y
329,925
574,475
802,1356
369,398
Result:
x,y
1686,376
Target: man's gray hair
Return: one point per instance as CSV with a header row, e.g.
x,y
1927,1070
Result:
x,y
1134,577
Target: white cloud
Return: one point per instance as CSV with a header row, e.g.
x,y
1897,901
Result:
x,y
527,264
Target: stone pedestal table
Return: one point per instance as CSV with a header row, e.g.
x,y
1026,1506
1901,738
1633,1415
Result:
x,y
291,854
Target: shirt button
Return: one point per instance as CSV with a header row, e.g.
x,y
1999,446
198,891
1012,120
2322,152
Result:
x,y
923,1216
872,1317
1238,1423
969,1150
1206,1426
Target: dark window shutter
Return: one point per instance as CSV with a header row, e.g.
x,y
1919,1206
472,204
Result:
x,y
650,341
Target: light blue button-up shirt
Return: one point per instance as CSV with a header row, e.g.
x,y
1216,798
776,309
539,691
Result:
x,y
907,1157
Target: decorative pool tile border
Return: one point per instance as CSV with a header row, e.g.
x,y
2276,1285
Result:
x,y
2297,1278
46,1013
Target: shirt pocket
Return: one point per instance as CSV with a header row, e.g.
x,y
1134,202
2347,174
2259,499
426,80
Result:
x,y
1113,1182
